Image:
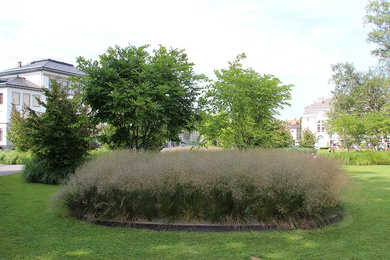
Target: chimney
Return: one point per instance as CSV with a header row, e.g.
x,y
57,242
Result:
x,y
19,64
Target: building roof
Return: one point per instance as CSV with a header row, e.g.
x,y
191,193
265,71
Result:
x,y
19,82
291,127
293,122
44,65
318,106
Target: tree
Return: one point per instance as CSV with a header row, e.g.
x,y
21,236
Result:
x,y
242,106
359,105
146,99
359,108
358,92
350,127
17,131
60,137
276,135
378,14
308,139
377,125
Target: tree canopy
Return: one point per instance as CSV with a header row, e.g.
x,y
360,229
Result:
x,y
378,14
358,92
17,131
59,137
146,98
242,105
308,139
360,105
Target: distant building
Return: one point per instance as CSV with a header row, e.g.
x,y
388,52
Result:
x,y
294,127
314,118
186,139
23,85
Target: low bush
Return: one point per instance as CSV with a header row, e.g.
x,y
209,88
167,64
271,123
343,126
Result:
x,y
357,157
15,157
267,186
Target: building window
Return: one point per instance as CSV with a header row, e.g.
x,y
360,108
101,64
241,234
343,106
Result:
x,y
65,86
26,99
1,98
1,135
16,98
35,101
320,126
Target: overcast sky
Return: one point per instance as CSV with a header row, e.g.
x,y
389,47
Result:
x,y
296,41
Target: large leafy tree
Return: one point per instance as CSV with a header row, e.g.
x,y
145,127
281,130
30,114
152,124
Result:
x,y
359,105
242,105
377,125
358,92
350,128
59,137
146,99
378,14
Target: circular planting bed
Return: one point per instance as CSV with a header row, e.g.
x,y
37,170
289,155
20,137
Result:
x,y
220,190
158,226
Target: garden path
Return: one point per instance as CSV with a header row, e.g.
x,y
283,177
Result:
x,y
10,169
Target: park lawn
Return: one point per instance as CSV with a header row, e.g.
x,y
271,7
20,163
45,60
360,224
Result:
x,y
30,228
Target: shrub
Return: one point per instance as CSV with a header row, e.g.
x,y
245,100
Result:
x,y
205,186
361,157
59,137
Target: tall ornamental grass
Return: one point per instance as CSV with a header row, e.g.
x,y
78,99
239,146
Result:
x,y
253,186
15,157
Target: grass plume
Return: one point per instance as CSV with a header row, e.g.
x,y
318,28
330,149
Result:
x,y
219,186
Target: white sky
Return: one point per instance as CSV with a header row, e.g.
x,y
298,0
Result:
x,y
295,41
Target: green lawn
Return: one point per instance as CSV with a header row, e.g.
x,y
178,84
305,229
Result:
x,y
31,229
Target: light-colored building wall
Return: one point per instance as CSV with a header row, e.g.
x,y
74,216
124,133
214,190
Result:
x,y
314,119
22,84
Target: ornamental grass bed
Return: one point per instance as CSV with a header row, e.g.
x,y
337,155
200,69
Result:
x,y
225,187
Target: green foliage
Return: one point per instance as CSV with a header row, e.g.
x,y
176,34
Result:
x,y
205,186
378,14
377,125
275,135
361,157
17,130
349,127
15,157
359,108
242,106
98,152
358,92
145,99
59,137
308,139
26,215
353,129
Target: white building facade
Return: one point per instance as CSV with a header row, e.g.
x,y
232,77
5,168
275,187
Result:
x,y
23,85
314,118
